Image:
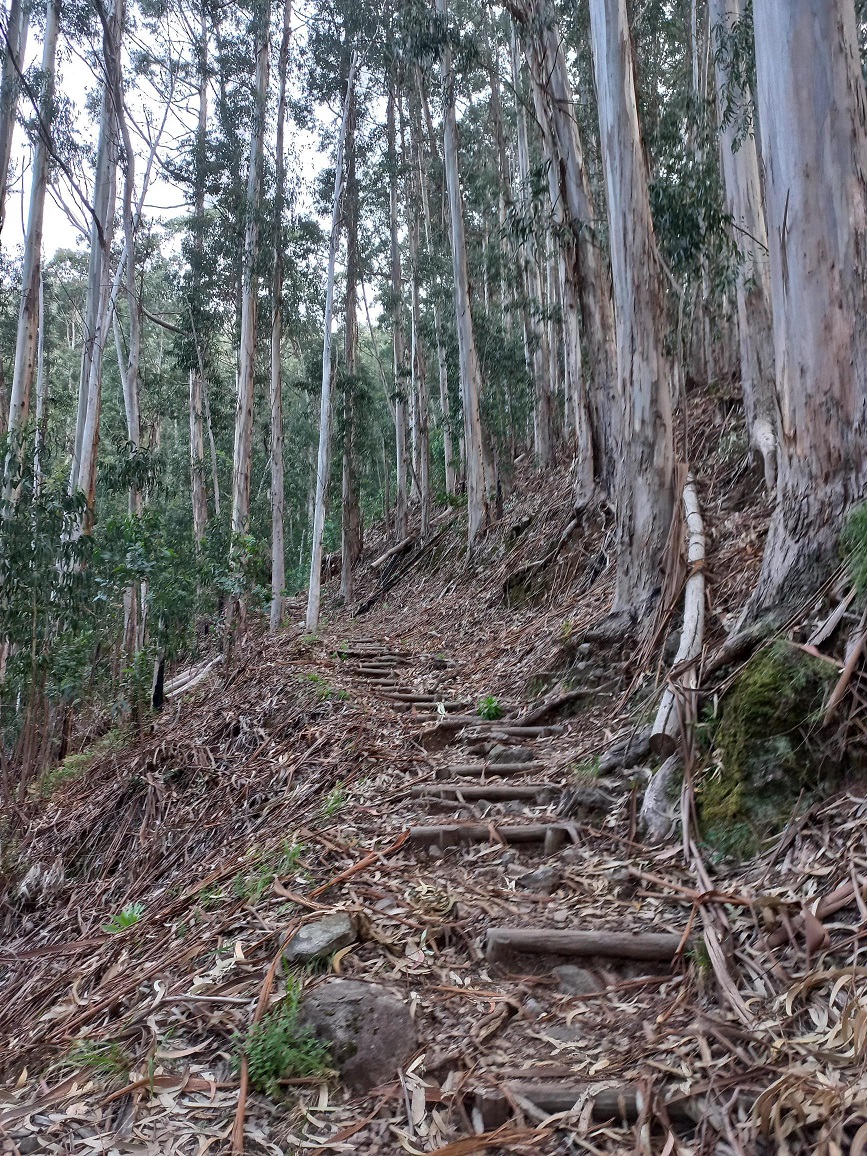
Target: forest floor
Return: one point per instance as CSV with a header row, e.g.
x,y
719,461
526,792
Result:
x,y
697,1005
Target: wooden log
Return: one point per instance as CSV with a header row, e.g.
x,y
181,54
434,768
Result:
x,y
642,945
481,770
403,545
552,705
493,791
678,698
450,834
623,1103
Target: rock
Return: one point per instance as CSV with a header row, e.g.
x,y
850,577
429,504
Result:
x,y
578,799
323,937
576,980
501,753
369,1030
543,880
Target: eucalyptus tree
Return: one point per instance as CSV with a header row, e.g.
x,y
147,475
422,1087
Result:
x,y
812,115
470,374
30,312
743,188
645,464
15,44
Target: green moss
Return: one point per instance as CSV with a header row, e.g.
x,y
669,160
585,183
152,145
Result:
x,y
855,547
766,747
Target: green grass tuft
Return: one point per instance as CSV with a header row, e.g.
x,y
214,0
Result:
x,y
490,709
279,1047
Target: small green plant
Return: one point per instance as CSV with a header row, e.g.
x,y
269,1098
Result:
x,y
334,801
104,1056
323,688
855,547
254,884
279,1047
489,708
589,769
73,766
128,917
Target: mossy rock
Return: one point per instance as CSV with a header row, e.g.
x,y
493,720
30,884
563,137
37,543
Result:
x,y
768,749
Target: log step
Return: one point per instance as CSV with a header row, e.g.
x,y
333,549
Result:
x,y
623,1103
496,792
643,945
552,835
483,770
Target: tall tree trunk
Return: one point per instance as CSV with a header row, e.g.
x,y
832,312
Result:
x,y
98,304
398,359
442,362
351,527
199,493
13,60
422,456
242,458
646,459
278,548
555,102
324,457
812,113
743,189
27,339
477,504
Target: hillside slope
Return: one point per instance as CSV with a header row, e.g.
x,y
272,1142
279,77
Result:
x,y
570,988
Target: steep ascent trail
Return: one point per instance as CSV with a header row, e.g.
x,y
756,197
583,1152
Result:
x,y
557,972
568,988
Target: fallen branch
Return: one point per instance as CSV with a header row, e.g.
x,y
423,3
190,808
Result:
x,y
683,678
858,640
657,817
404,544
648,945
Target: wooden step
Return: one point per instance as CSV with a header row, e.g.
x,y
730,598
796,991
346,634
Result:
x,y
643,945
623,1103
483,770
552,835
495,792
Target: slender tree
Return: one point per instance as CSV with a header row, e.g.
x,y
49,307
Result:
x,y
15,43
470,373
323,462
278,549
645,463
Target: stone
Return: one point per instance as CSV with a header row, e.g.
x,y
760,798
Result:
x,y
501,753
544,880
369,1030
323,937
576,980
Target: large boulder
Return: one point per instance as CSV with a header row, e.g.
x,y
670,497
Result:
x,y
321,938
368,1028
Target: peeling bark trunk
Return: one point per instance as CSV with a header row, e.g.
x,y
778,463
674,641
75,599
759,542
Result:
x,y
812,114
198,489
16,42
352,532
97,305
477,505
740,165
324,457
243,450
27,338
278,548
555,102
645,464
398,366
442,364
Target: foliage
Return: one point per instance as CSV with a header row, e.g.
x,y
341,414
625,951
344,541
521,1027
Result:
x,y
334,802
280,1047
128,917
104,1056
489,708
855,547
252,885
767,747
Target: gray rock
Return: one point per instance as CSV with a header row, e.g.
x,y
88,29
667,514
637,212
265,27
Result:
x,y
576,980
323,937
369,1030
501,753
544,880
578,799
